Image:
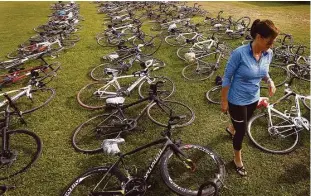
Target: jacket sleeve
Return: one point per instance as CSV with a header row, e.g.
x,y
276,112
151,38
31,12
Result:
x,y
231,67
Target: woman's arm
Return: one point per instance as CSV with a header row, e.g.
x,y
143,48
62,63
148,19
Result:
x,y
230,70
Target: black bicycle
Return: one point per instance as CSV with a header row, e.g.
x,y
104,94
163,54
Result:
x,y
20,148
89,135
184,168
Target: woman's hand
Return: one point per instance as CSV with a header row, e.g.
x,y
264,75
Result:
x,y
224,106
271,88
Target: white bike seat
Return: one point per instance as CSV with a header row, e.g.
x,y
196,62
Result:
x,y
115,100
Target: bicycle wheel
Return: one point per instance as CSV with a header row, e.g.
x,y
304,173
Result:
x,y
25,148
155,62
181,52
47,73
86,183
300,71
159,113
214,94
184,181
242,23
37,99
15,54
278,74
10,64
72,37
164,91
67,44
306,103
175,40
151,44
41,28
89,136
273,139
98,72
199,71
92,97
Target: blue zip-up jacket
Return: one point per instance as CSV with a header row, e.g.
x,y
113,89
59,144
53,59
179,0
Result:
x,y
243,74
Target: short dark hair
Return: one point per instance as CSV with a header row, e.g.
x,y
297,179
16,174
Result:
x,y
265,28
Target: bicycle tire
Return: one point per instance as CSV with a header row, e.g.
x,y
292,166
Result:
x,y
88,136
174,41
304,102
276,144
301,73
39,98
242,20
181,52
26,153
103,41
50,71
151,44
87,99
15,54
90,178
10,64
210,166
279,75
67,44
164,92
72,37
203,72
214,95
98,72
159,113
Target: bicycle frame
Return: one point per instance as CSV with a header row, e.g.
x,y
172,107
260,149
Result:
x,y
114,82
297,120
209,42
167,143
5,139
22,91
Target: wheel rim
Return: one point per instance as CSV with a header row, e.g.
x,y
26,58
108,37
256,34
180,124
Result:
x,y
272,139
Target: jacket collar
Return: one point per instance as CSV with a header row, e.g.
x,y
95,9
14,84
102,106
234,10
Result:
x,y
251,50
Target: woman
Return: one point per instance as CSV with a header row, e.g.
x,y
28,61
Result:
x,y
247,66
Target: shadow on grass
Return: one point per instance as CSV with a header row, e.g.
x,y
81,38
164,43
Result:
x,y
295,173
277,4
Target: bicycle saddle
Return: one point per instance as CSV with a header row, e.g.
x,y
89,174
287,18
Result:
x,y
115,100
110,71
110,146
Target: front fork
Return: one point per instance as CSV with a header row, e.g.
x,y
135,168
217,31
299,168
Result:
x,y
188,163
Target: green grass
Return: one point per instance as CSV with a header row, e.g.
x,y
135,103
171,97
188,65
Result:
x,y
59,164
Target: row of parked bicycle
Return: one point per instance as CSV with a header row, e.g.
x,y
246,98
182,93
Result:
x,y
202,46
135,49
21,148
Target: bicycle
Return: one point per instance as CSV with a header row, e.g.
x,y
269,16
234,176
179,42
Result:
x,y
40,73
183,167
182,39
11,64
205,60
29,98
121,65
89,135
15,157
278,132
91,96
301,68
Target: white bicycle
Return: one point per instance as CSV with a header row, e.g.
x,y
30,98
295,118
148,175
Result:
x,y
278,132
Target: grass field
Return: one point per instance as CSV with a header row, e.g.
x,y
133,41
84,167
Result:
x,y
59,164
